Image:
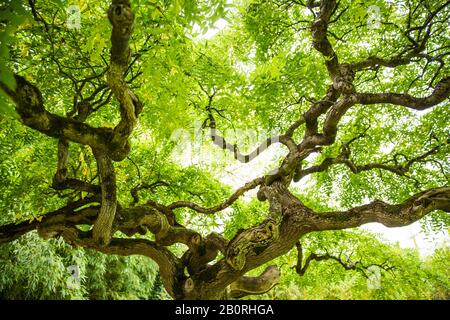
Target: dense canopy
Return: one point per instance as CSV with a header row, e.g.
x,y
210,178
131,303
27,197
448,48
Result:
x,y
228,146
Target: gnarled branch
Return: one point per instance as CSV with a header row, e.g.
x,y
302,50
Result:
x,y
301,267
440,93
389,215
344,158
30,107
102,230
245,286
122,20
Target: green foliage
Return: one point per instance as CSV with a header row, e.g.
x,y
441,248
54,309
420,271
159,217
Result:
x,y
13,14
412,277
263,73
31,268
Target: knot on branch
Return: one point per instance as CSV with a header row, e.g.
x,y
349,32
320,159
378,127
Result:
x,y
189,285
312,4
279,197
343,81
59,178
261,194
254,239
118,152
121,17
431,200
217,242
84,108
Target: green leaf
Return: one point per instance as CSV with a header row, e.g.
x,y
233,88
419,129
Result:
x,y
7,107
7,77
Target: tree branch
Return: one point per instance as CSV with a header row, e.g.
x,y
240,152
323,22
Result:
x,y
30,107
141,186
102,229
319,35
220,141
245,286
13,231
61,180
122,20
344,158
347,265
211,210
63,222
389,215
440,93
407,55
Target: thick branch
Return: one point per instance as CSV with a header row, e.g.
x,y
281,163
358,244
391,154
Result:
x,y
30,107
318,108
440,93
129,221
76,184
262,243
122,20
254,285
63,222
389,215
373,62
13,231
319,35
102,230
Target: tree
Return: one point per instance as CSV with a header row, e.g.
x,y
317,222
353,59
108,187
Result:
x,y
358,94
